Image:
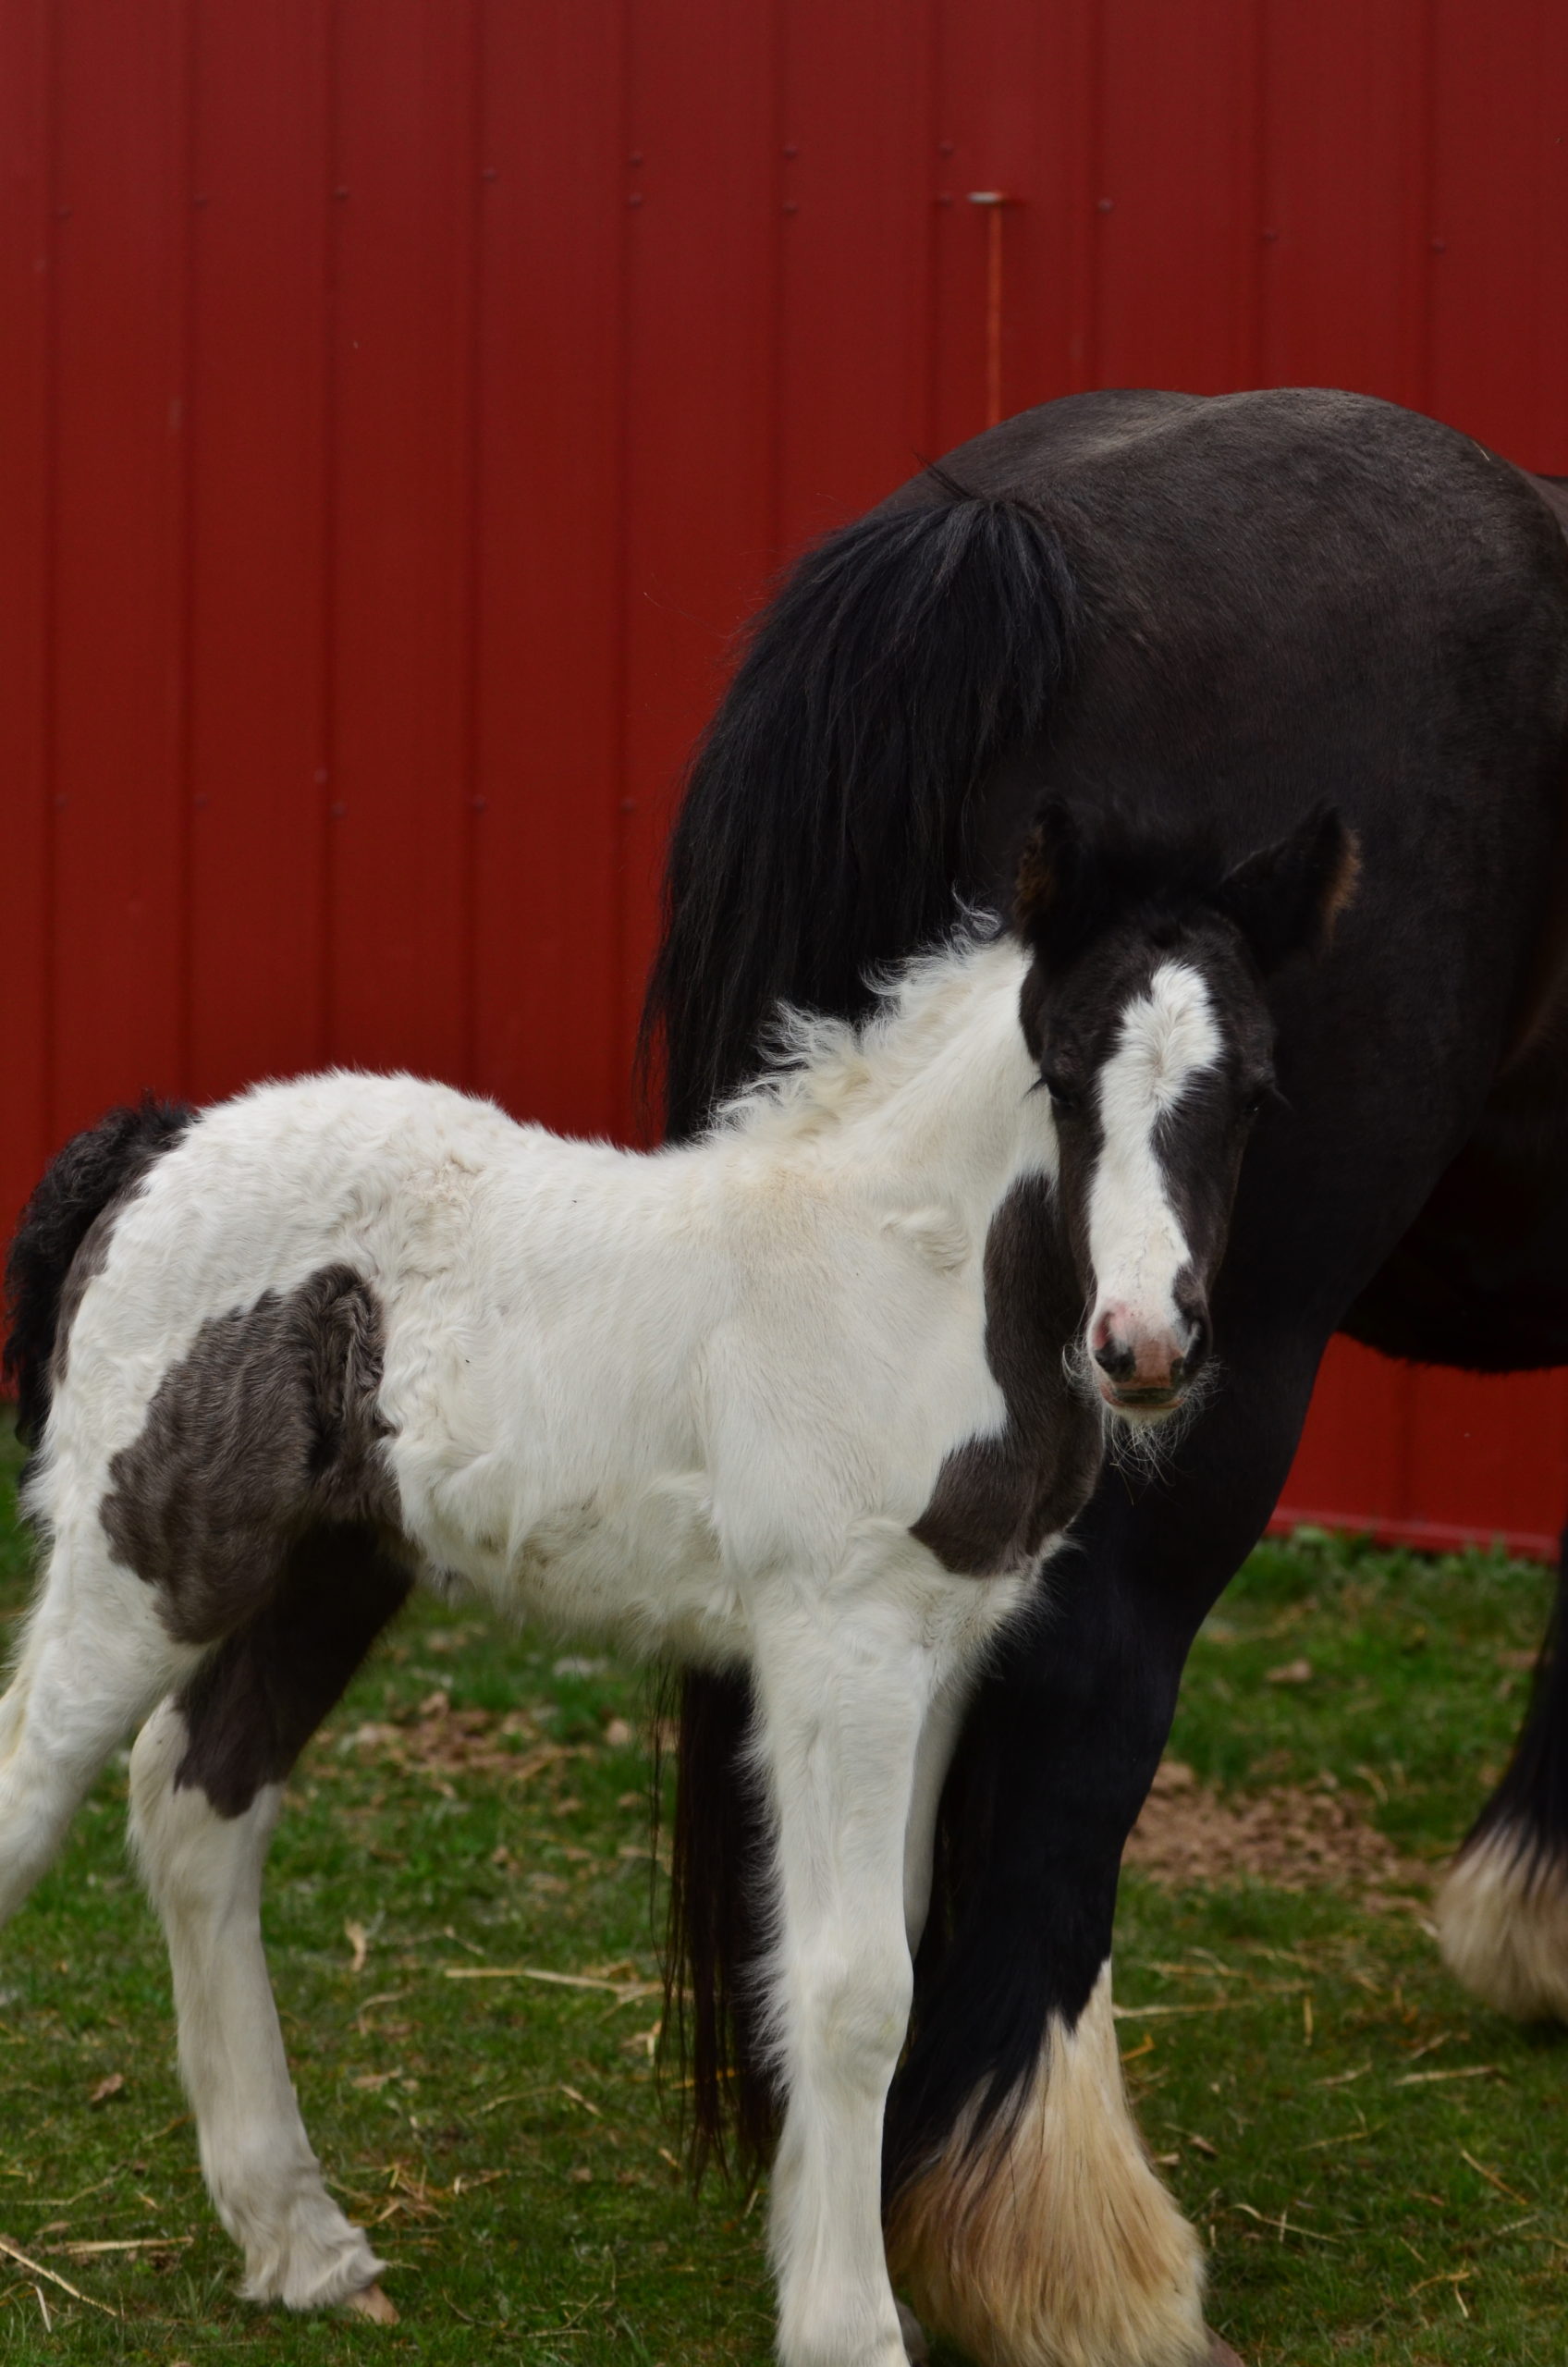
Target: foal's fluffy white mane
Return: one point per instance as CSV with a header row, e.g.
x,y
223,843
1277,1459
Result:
x,y
823,1072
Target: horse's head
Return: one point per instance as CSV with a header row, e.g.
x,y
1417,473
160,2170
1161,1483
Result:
x,y
1145,1007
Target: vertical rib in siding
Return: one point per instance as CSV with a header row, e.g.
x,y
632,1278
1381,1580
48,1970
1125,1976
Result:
x,y
699,486
400,799
555,179
999,120
854,207
1178,259
1498,243
26,462
1344,231
118,983
257,604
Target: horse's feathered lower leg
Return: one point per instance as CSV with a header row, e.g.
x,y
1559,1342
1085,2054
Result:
x,y
1044,2238
1502,1914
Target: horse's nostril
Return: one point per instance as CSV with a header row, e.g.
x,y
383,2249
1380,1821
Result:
x,y
1116,1362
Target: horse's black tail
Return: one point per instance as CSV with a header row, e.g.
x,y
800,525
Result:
x,y
826,831
93,1170
825,819
1503,1913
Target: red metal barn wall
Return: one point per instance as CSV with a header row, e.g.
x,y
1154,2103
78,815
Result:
x,y
403,400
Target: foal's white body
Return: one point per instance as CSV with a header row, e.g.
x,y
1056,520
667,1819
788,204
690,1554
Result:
x,y
690,1402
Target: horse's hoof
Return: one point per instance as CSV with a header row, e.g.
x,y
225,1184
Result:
x,y
916,2350
1221,2353
372,2302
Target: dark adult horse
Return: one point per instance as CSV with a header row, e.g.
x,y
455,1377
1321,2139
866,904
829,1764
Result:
x,y
1254,603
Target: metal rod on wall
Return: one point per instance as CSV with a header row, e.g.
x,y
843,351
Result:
x,y
996,200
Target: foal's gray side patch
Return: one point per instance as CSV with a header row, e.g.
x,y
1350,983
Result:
x,y
997,1500
268,1426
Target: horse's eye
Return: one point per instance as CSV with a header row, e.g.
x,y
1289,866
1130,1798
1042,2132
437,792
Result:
x,y
1065,1095
1257,1103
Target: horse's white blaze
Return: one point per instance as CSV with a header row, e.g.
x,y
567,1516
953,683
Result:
x,y
1136,1244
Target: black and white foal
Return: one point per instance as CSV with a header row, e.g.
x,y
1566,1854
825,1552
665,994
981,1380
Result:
x,y
776,1399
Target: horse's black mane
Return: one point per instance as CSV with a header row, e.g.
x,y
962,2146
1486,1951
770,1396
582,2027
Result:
x,y
899,661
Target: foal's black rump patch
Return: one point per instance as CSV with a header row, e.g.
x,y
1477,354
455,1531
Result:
x,y
265,1429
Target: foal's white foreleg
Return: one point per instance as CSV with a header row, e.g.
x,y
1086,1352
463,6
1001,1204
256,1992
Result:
x,y
842,1701
204,1873
934,1757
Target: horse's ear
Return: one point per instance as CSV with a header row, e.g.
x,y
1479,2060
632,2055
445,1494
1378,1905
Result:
x,y
1286,897
1052,878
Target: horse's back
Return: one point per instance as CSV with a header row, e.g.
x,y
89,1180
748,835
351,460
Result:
x,y
1296,538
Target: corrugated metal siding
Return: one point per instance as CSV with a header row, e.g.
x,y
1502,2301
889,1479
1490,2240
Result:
x,y
402,402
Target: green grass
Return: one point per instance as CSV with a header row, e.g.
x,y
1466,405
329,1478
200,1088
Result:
x,y
508,2136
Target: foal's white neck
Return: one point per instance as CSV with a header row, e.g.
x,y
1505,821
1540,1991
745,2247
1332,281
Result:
x,y
930,1099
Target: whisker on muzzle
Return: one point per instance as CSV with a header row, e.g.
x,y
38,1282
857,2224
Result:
x,y
1141,1444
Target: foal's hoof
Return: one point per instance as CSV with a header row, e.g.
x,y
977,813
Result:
x,y
372,2302
1219,2352
916,2350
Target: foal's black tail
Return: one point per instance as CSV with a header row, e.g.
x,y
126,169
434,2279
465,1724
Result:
x,y
95,1168
829,825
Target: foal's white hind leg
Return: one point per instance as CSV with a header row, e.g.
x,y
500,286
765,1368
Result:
x,y
95,1657
842,1705
204,1873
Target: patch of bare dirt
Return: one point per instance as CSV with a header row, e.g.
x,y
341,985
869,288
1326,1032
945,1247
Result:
x,y
1189,1836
